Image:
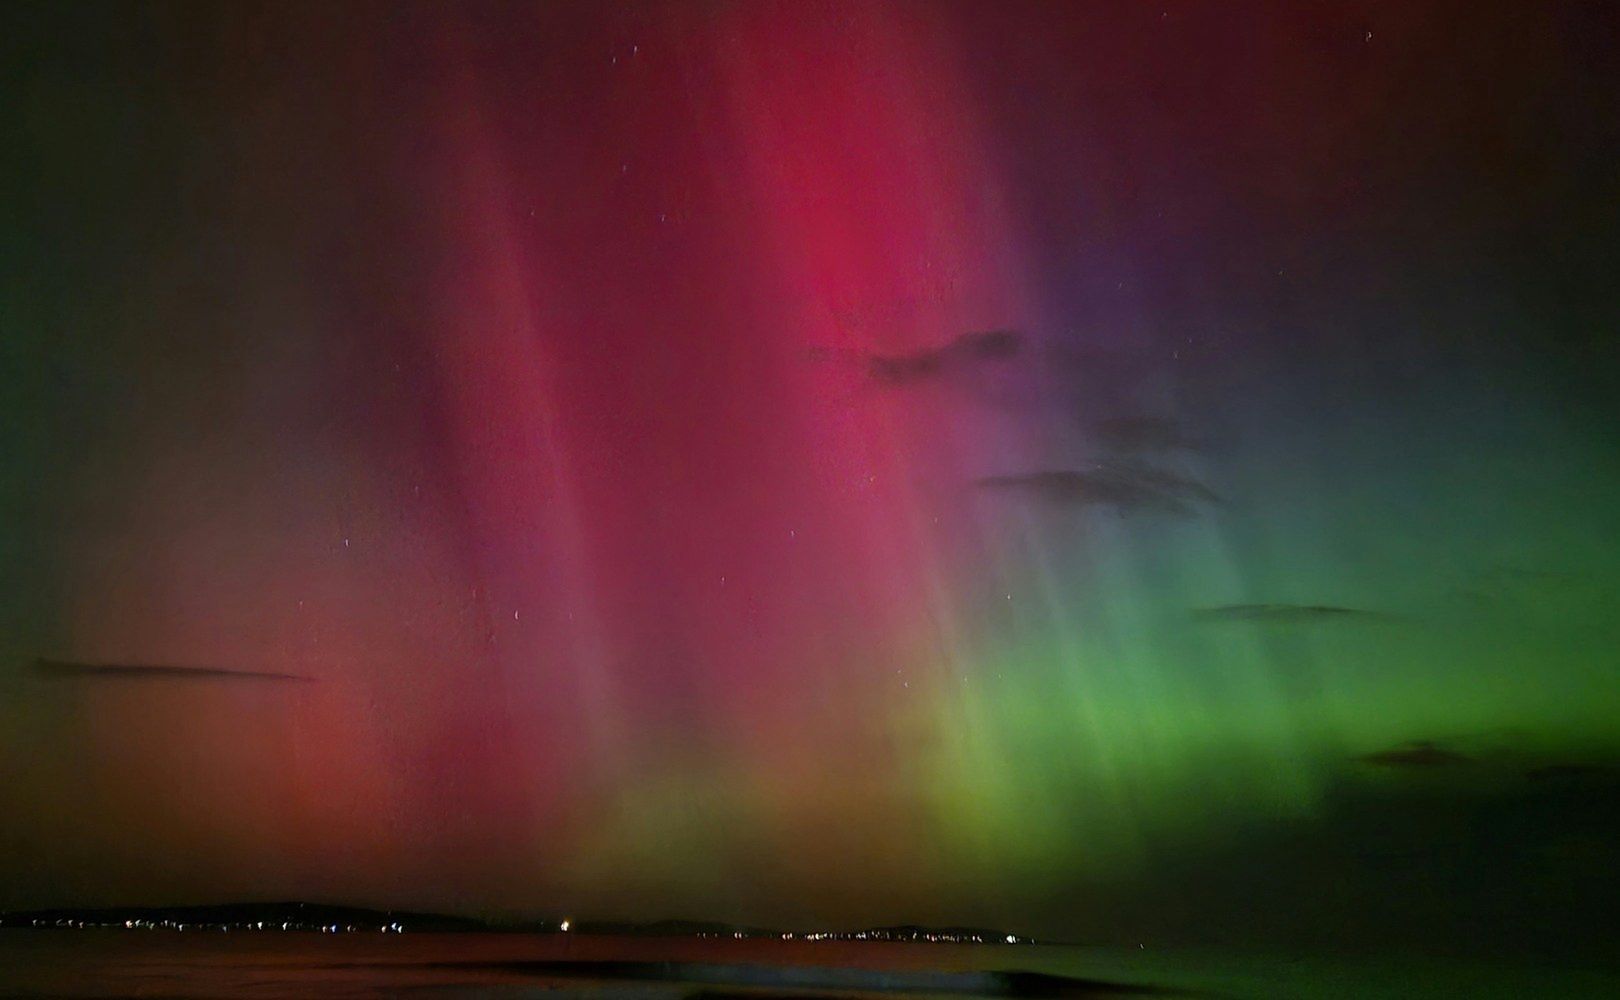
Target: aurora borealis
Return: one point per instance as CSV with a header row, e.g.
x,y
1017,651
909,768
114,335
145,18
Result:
x,y
1093,470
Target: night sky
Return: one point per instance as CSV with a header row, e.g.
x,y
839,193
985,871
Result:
x,y
1115,471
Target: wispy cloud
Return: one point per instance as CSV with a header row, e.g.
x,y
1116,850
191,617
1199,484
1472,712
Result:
x,y
68,670
1121,487
1287,614
1415,754
924,365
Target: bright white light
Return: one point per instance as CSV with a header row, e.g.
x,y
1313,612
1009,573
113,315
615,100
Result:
x,y
566,924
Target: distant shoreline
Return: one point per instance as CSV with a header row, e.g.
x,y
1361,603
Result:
x,y
330,919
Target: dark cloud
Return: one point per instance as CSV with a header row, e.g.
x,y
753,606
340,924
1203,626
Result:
x,y
987,345
927,364
66,670
1286,614
1124,488
1415,754
1171,483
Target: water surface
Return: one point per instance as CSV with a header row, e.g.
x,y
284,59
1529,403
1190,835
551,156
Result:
x,y
283,966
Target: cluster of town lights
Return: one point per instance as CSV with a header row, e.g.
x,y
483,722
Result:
x,y
192,925
894,934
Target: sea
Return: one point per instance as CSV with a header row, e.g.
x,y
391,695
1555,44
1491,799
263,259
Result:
x,y
170,965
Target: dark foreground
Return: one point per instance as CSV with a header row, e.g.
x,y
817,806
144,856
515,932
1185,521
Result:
x,y
281,966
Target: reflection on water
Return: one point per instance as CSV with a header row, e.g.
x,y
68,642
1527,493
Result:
x,y
509,966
